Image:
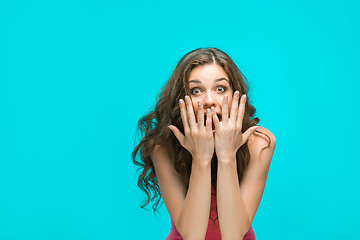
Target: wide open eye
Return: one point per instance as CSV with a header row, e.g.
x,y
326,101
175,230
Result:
x,y
194,91
222,88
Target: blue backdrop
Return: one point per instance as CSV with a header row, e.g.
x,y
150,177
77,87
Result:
x,y
75,76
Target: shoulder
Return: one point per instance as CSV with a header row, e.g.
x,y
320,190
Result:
x,y
156,148
162,160
159,152
262,139
171,185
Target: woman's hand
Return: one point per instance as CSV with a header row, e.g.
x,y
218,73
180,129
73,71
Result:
x,y
228,135
198,139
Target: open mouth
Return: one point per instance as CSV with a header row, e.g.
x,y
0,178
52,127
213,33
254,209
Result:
x,y
213,125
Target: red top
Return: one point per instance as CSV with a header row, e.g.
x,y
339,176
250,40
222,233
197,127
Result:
x,y
213,230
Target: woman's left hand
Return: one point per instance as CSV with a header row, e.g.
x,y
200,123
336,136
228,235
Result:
x,y
228,135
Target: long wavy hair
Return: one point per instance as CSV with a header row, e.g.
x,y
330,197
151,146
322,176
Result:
x,y
154,130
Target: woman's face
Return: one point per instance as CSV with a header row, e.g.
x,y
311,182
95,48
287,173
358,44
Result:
x,y
209,84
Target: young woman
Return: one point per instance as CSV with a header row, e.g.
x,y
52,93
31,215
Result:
x,y
202,151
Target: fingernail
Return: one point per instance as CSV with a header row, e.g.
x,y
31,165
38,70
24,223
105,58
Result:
x,y
257,129
226,98
169,128
212,108
198,103
244,96
180,101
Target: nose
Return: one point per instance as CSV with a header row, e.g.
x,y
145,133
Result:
x,y
209,101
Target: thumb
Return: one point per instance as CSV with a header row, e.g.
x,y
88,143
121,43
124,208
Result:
x,y
180,137
249,132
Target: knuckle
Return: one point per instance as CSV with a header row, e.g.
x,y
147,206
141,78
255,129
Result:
x,y
194,132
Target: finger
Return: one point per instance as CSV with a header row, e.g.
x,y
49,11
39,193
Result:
x,y
248,133
240,115
190,113
225,111
180,137
234,107
208,121
184,117
200,116
215,118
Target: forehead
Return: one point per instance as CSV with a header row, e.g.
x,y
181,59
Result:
x,y
208,73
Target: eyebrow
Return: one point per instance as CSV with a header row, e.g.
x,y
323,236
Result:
x,y
216,80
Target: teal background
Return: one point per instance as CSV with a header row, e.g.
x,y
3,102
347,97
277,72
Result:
x,y
75,76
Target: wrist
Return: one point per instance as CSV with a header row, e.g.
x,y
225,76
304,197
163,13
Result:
x,y
227,159
201,161
196,165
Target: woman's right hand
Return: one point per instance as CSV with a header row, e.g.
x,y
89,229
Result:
x,y
198,139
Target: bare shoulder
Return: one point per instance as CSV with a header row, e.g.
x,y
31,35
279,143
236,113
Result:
x,y
170,182
261,147
159,154
264,139
158,150
163,164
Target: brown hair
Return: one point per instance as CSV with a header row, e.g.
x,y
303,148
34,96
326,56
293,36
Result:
x,y
154,125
